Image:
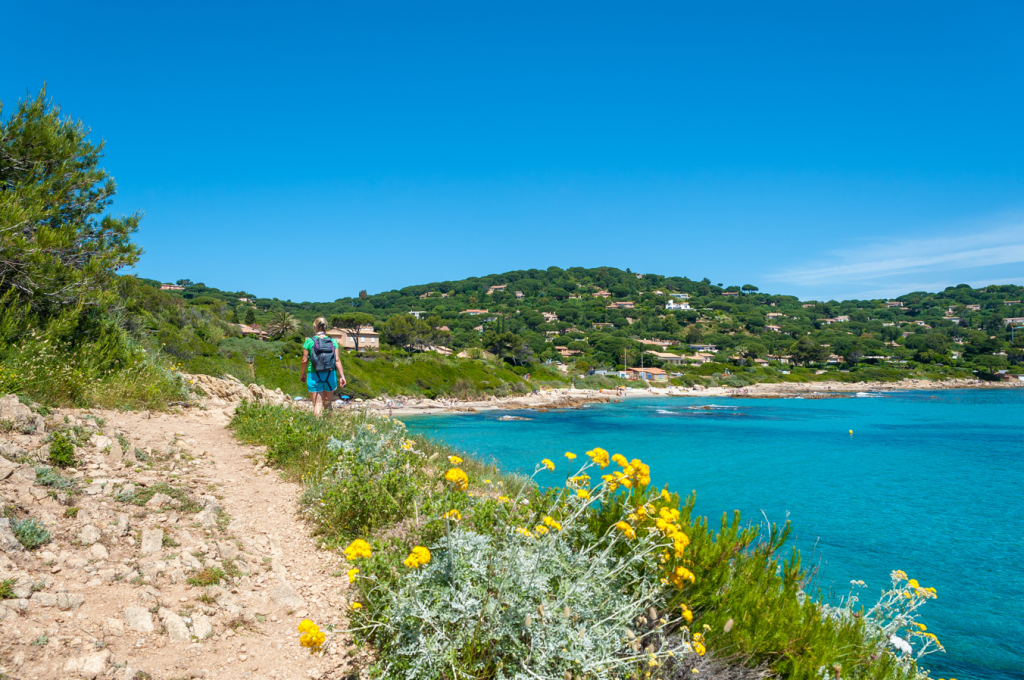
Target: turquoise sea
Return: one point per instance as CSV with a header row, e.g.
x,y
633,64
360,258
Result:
x,y
929,482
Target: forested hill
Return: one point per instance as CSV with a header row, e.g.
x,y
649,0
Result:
x,y
593,315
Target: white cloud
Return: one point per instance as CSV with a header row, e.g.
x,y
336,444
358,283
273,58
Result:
x,y
892,257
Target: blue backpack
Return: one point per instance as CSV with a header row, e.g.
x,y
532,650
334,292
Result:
x,y
323,354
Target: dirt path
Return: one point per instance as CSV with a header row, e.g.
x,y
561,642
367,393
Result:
x,y
110,597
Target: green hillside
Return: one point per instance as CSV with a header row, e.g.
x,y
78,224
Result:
x,y
954,332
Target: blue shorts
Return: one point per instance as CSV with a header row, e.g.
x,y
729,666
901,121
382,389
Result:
x,y
323,381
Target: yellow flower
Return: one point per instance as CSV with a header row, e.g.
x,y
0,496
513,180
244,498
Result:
x,y
698,644
487,481
548,520
548,464
665,496
352,575
355,606
457,477
417,558
913,583
626,530
599,456
583,493
504,499
680,576
620,459
454,460
540,529
357,549
305,626
524,532
570,456
453,514
687,613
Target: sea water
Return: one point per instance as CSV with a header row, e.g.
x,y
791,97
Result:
x,y
928,482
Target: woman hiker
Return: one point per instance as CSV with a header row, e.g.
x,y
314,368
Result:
x,y
325,372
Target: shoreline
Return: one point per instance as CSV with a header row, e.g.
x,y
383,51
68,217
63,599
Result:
x,y
567,398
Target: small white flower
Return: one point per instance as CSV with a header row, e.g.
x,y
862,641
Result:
x,y
901,644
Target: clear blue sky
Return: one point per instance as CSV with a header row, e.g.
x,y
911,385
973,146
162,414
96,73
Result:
x,y
307,151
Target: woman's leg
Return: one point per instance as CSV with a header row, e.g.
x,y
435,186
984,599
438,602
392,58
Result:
x,y
318,402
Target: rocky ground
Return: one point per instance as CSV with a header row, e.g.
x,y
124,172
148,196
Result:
x,y
154,509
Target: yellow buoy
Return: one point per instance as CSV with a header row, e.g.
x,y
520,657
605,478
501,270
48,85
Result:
x,y
851,431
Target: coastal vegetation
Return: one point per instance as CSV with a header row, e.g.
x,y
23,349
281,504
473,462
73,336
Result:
x,y
585,569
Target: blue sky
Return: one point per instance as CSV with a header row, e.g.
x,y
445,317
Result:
x,y
308,151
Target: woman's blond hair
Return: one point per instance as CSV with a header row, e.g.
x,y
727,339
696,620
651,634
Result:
x,y
320,324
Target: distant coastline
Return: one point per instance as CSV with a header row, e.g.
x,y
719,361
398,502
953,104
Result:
x,y
568,398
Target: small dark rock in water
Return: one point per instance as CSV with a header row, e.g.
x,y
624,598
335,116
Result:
x,y
513,418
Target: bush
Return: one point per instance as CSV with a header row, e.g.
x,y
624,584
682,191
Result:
x,y
62,451
30,533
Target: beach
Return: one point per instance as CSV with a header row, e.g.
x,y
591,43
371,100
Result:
x,y
566,398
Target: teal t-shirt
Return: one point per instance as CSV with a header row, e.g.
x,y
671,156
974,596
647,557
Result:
x,y
308,346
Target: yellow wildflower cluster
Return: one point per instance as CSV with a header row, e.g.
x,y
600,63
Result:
x,y
453,514
457,477
417,558
454,460
698,644
352,574
570,455
311,637
633,473
687,613
357,549
548,464
599,456
548,521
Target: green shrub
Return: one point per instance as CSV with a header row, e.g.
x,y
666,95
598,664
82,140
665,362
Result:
x,y
62,451
206,577
30,533
7,588
47,476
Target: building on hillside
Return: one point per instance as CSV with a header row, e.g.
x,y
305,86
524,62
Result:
x,y
444,328
475,353
569,352
893,303
499,288
781,358
952,319
760,362
627,304
419,314
658,292
479,329
1014,320
680,296
519,295
730,293
474,312
426,295
667,357
1010,303
550,317
974,308
253,331
773,329
809,305
775,315
171,286
658,343
672,305
652,374
602,294
369,339
245,299
639,276
834,359
704,348
604,325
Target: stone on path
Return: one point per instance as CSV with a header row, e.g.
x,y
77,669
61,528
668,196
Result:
x,y
152,541
89,665
138,619
89,534
99,552
158,500
8,541
284,595
176,628
201,627
68,601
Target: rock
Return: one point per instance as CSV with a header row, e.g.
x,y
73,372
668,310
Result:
x,y
176,628
207,518
89,534
45,599
138,619
201,627
89,665
17,605
127,491
123,526
100,441
20,416
7,468
112,626
23,587
8,541
210,504
68,601
284,595
99,552
26,472
228,550
149,595
152,541
158,500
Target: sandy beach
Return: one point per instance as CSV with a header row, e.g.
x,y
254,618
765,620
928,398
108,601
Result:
x,y
577,398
